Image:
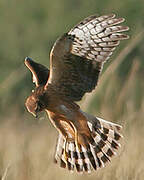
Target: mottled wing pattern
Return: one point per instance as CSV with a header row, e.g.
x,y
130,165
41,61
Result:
x,y
39,72
106,136
92,42
97,37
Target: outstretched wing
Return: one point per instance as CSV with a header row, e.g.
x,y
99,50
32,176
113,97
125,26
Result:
x,y
39,72
78,56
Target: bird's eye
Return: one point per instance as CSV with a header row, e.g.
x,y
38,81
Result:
x,y
33,91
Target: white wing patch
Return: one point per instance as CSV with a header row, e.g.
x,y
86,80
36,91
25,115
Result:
x,y
97,37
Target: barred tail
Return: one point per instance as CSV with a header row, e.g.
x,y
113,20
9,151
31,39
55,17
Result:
x,y
106,136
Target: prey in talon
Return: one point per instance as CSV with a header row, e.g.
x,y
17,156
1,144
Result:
x,y
85,142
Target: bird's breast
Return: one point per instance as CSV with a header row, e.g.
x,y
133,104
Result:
x,y
66,112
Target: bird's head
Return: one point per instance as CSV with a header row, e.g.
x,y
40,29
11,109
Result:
x,y
34,103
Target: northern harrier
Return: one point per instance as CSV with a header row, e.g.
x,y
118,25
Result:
x,y
85,142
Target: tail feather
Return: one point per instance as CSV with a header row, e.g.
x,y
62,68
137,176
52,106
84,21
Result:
x,y
59,148
106,138
87,164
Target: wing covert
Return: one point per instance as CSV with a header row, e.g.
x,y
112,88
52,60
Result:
x,y
78,56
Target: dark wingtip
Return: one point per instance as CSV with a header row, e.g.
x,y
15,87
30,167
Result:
x,y
27,60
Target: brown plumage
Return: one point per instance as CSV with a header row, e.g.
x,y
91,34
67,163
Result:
x,y
85,142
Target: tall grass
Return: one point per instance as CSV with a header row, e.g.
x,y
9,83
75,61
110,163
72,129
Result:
x,y
26,148
27,145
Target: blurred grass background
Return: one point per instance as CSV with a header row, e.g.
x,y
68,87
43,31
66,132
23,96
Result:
x,y
29,28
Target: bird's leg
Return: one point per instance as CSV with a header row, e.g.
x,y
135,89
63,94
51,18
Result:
x,y
65,146
76,140
76,137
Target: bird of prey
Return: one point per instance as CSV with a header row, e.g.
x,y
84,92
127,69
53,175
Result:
x,y
85,142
